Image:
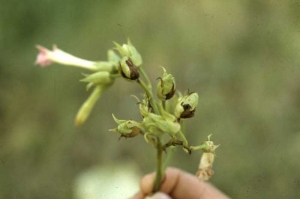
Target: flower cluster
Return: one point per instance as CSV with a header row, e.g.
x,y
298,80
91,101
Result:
x,y
162,116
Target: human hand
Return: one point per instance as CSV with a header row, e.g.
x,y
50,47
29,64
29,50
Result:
x,y
178,185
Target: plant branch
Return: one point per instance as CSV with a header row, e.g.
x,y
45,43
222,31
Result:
x,y
149,93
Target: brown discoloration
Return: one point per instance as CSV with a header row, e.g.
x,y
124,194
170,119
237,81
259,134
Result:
x,y
171,94
134,73
135,131
187,113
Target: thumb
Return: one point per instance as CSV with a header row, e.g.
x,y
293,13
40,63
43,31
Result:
x,y
159,195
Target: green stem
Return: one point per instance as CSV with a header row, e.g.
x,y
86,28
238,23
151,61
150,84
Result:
x,y
184,140
159,167
164,104
145,76
169,157
202,146
159,158
148,91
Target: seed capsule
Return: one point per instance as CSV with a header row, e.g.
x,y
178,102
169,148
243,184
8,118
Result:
x,y
186,107
128,70
127,128
166,86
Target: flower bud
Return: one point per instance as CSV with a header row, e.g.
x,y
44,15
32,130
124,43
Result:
x,y
166,86
128,50
128,70
186,106
127,128
145,106
161,124
113,57
88,105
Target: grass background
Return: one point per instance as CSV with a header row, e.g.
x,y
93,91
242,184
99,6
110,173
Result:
x,y
242,57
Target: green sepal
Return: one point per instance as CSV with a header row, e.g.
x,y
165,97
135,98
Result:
x,y
101,77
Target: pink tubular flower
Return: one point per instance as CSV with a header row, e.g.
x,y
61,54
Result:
x,y
47,57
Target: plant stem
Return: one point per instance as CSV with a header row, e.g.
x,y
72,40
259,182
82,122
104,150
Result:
x,y
164,104
159,166
184,140
145,76
159,158
169,157
148,91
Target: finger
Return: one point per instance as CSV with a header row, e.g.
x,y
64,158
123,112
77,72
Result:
x,y
159,195
179,184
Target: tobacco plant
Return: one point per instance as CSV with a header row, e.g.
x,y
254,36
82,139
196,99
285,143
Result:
x,y
162,114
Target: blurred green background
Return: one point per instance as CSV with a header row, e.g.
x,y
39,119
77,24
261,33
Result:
x,y
242,57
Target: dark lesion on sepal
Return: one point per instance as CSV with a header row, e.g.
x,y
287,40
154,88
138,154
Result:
x,y
171,93
135,131
134,73
188,111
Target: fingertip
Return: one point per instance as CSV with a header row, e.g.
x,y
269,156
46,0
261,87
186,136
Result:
x,y
147,182
169,181
180,184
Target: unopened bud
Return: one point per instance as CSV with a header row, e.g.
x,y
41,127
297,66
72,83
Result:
x,y
186,106
166,86
88,105
128,50
145,106
128,70
127,128
112,56
161,124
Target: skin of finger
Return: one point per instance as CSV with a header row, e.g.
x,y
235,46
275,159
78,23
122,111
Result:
x,y
179,185
159,195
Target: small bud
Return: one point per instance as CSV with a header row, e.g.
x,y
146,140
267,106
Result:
x,y
145,106
161,124
186,106
127,128
113,57
128,70
88,105
166,86
128,50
